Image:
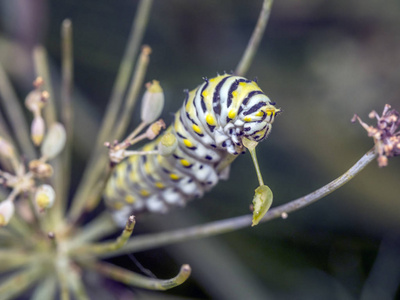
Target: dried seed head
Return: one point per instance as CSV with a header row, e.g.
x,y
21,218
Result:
x,y
386,134
167,144
6,149
44,196
154,129
152,102
37,130
40,169
54,141
6,211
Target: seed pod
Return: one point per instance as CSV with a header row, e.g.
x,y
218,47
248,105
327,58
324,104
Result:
x,y
6,149
37,130
152,102
54,141
44,196
6,211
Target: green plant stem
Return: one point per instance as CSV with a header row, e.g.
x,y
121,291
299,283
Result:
x,y
19,282
150,241
137,280
46,289
99,248
20,227
62,264
125,69
66,109
15,114
133,92
255,39
256,166
12,259
42,69
98,157
76,285
100,227
53,217
89,193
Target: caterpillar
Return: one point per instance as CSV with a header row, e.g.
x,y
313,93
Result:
x,y
209,128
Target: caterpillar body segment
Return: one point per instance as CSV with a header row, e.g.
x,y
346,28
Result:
x,y
209,128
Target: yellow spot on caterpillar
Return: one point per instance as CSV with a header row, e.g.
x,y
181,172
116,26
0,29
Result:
x,y
247,119
185,163
197,129
211,80
242,83
130,199
120,181
118,205
147,168
234,93
173,176
133,176
260,113
159,185
188,143
231,114
144,193
210,120
204,93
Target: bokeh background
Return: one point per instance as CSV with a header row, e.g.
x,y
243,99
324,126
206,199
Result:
x,y
321,61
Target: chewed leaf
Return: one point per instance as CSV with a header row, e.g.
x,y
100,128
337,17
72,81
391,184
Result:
x,y
261,202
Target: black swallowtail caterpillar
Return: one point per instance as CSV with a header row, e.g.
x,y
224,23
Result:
x,y
209,128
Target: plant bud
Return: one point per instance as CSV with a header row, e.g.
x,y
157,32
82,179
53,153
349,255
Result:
x,y
152,102
167,144
44,196
54,141
37,130
33,101
40,169
6,211
6,149
154,129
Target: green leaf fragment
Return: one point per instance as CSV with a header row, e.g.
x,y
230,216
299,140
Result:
x,y
261,203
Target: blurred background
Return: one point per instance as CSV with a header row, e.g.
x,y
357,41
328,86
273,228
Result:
x,y
321,61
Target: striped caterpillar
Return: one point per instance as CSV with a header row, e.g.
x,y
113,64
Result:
x,y
210,128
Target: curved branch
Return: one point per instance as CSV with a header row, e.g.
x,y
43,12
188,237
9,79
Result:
x,y
150,241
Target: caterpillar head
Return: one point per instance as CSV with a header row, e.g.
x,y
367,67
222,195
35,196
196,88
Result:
x,y
258,118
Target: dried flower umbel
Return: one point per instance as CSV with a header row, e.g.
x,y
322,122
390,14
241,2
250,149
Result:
x,y
386,134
